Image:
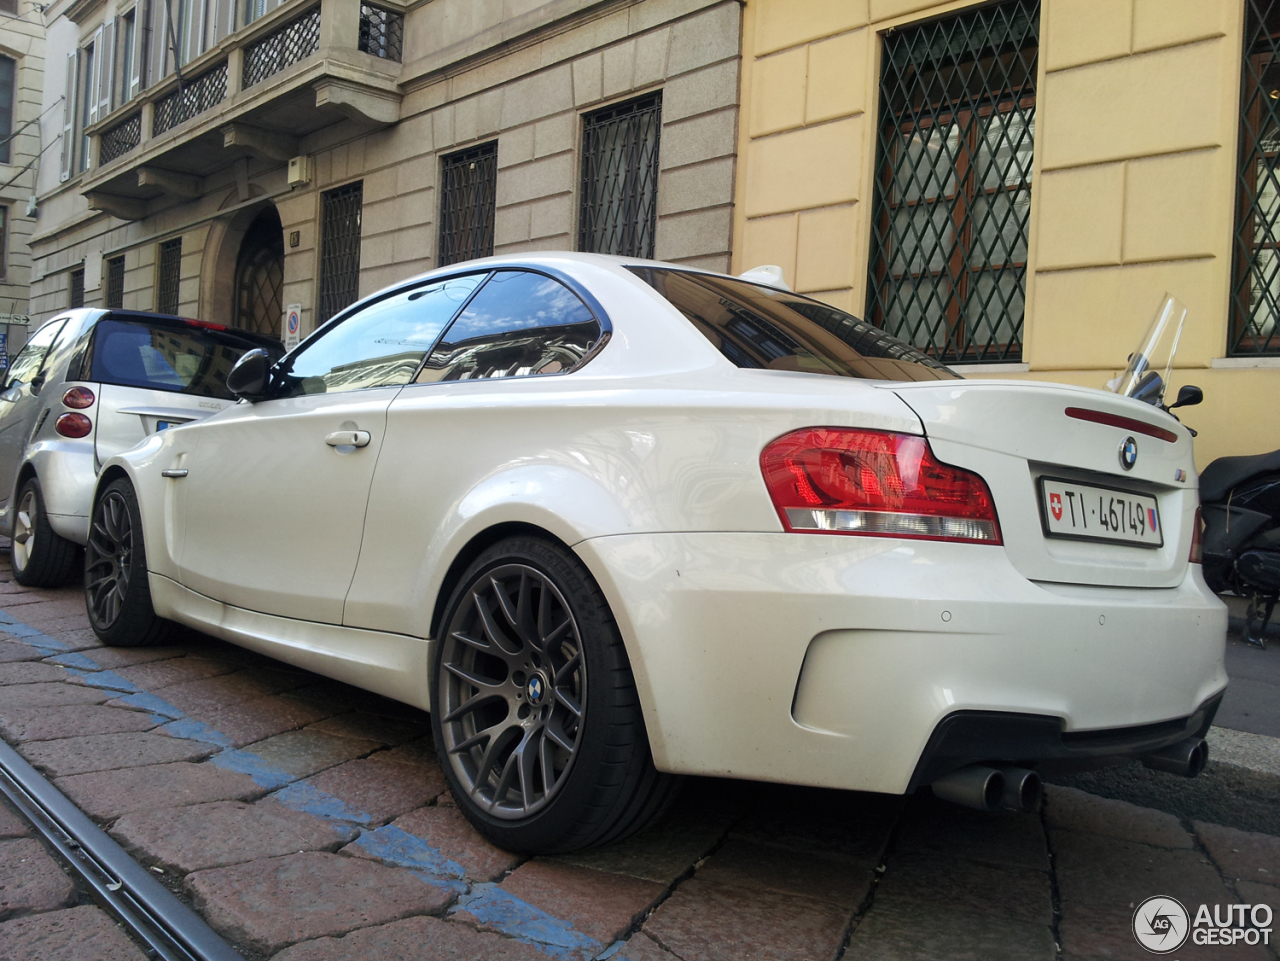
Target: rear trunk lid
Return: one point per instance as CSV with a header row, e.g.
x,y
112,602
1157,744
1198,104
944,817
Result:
x,y
126,415
1032,441
153,373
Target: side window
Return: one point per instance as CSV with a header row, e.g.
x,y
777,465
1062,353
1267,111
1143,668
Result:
x,y
519,324
27,364
382,345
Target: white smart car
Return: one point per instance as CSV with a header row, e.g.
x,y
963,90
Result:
x,y
612,521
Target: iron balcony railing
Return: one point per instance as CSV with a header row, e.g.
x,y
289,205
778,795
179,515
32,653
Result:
x,y
290,44
191,99
1255,275
951,199
381,32
120,139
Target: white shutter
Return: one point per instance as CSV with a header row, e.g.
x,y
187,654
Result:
x,y
69,118
107,68
140,29
92,75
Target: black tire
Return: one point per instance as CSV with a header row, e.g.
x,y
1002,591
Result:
x,y
116,592
608,788
38,556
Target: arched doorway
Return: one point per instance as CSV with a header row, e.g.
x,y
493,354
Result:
x,y
259,283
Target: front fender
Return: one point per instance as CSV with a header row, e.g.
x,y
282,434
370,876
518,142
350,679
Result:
x,y
392,593
142,466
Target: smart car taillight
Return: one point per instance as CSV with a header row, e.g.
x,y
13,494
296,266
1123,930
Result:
x,y
840,481
73,425
1197,539
78,398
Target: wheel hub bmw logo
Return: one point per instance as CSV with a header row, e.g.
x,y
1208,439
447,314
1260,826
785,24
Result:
x,y
1128,453
536,689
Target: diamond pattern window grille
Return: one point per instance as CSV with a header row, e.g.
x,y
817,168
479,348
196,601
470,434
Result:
x,y
340,212
77,287
1255,275
120,139
191,99
291,44
115,283
952,193
381,32
468,187
620,178
169,276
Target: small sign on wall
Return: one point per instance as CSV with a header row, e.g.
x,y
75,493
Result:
x,y
292,326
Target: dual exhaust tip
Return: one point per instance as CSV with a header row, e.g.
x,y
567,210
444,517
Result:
x,y
1018,789
992,789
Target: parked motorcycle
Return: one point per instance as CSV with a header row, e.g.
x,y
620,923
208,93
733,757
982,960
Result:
x,y
1239,496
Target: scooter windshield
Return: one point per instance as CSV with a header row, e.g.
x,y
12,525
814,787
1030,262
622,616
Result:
x,y
1147,375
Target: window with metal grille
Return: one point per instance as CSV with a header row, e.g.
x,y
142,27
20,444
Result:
x,y
115,283
9,6
468,186
76,298
952,192
381,32
8,73
340,212
619,212
1255,274
169,276
4,241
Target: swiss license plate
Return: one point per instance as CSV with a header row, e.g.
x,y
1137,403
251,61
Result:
x,y
1089,512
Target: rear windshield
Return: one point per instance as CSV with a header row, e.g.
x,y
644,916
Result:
x,y
186,360
770,329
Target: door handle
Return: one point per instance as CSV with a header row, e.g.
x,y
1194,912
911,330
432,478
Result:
x,y
349,438
175,472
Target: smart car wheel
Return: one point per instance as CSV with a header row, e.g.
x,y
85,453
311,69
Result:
x,y
116,591
38,556
535,712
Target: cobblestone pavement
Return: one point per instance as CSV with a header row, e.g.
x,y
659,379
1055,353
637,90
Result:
x,y
306,821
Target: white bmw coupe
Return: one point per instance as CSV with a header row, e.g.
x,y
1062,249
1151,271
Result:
x,y
611,521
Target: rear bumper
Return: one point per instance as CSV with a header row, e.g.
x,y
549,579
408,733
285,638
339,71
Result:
x,y
977,737
67,472
832,661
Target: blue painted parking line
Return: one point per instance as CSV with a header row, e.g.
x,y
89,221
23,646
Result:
x,y
493,906
503,911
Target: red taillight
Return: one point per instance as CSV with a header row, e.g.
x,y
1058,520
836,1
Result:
x,y
1197,540
73,425
839,481
78,398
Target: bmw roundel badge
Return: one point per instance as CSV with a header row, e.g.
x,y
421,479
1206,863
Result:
x,y
1128,453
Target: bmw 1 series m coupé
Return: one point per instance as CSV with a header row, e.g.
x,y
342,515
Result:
x,y
612,521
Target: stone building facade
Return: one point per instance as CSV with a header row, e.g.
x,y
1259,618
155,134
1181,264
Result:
x,y
231,169
21,80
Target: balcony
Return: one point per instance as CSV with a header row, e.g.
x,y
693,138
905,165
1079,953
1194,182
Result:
x,y
305,66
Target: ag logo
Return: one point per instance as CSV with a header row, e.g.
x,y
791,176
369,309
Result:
x,y
1128,453
1161,924
1055,505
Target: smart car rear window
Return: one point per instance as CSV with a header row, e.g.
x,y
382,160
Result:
x,y
185,360
764,328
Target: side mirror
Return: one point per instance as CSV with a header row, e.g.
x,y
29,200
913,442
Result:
x,y
248,378
1188,396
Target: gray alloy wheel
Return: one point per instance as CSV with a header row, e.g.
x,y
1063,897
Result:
x,y
24,530
117,593
511,690
108,558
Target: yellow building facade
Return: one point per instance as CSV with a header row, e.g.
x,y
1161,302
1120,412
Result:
x,y
1133,183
